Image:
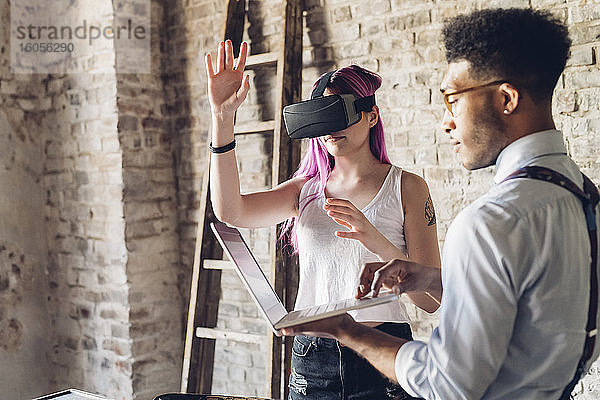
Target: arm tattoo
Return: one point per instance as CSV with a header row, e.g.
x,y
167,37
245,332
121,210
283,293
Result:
x,y
429,212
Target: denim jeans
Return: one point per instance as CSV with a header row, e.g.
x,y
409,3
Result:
x,y
322,369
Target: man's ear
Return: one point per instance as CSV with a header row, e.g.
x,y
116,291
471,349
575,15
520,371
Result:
x,y
511,98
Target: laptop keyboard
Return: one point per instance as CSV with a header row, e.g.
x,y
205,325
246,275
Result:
x,y
324,308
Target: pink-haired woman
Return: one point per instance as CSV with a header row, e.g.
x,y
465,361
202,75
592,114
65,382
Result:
x,y
345,180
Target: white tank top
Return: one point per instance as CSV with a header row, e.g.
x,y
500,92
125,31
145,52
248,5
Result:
x,y
330,265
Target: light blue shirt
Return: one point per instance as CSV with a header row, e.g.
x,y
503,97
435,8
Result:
x,y
515,272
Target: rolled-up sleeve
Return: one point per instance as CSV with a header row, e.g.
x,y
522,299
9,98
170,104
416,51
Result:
x,y
467,349
420,377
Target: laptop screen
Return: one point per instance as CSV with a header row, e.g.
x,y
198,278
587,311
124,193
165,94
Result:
x,y
250,272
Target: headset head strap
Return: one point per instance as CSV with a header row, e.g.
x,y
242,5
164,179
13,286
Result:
x,y
323,82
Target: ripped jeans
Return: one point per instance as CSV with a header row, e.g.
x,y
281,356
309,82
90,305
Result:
x,y
322,369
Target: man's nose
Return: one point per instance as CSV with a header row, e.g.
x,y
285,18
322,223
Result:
x,y
448,124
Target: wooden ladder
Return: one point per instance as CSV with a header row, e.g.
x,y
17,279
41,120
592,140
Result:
x,y
201,333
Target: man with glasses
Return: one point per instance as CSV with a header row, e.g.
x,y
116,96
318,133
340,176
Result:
x,y
518,267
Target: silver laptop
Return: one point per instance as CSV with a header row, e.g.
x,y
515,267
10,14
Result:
x,y
265,297
71,394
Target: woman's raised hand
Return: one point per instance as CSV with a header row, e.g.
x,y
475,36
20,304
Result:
x,y
226,91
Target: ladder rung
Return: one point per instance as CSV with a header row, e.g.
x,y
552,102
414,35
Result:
x,y
214,333
255,127
217,264
262,60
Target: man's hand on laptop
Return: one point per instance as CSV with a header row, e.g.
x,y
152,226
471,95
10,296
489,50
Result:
x,y
333,327
401,277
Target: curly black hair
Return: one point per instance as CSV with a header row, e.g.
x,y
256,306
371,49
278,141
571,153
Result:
x,y
528,48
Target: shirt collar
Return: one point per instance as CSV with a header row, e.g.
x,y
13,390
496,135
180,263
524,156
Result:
x,y
523,150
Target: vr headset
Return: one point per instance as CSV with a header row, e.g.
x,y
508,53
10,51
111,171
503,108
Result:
x,y
323,115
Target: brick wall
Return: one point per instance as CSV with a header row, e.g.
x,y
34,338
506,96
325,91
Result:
x,y
89,251
186,115
60,219
88,288
151,226
23,313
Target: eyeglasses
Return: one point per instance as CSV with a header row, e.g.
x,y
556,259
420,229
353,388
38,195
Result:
x,y
450,106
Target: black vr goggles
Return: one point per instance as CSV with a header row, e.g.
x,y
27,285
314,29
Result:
x,y
323,115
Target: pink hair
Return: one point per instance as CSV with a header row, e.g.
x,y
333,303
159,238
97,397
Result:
x,y
317,161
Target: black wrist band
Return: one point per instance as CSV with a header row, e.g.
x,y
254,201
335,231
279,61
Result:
x,y
222,149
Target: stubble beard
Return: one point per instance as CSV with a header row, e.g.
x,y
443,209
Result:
x,y
488,140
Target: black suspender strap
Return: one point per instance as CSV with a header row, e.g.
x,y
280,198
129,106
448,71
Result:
x,y
589,198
